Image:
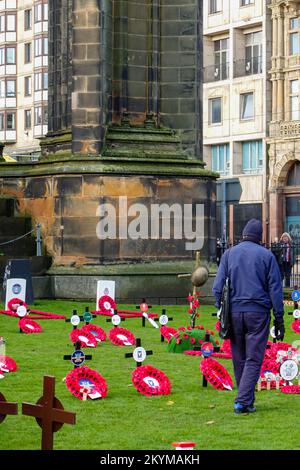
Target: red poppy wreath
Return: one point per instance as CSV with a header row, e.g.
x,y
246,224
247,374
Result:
x,y
106,304
87,340
7,364
84,382
150,381
14,303
167,332
121,337
96,331
216,374
29,326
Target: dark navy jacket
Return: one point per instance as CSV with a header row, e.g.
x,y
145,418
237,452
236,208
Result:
x,y
255,281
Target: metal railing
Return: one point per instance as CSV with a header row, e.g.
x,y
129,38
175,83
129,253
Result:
x,y
251,66
290,272
215,73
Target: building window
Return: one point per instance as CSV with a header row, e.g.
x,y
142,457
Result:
x,y
11,121
220,158
253,52
10,23
10,55
215,110
294,100
27,19
27,53
41,12
247,2
221,48
2,89
40,115
38,13
252,156
2,24
45,81
45,46
27,86
45,116
45,12
27,119
2,122
38,81
2,56
10,88
294,36
215,6
247,106
40,47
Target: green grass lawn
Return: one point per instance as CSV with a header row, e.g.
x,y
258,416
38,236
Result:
x,y
126,419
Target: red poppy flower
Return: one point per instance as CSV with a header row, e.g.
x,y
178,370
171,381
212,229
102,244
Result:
x,y
192,340
190,311
185,336
190,298
196,304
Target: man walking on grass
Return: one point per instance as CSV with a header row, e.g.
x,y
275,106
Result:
x,y
255,288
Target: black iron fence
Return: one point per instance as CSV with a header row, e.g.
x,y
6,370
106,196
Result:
x,y
251,66
289,263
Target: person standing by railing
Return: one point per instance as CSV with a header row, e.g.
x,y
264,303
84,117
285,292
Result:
x,y
286,260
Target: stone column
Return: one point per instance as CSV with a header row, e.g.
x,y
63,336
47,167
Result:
x,y
280,97
276,214
274,99
89,54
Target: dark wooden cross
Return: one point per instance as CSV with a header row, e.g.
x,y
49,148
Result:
x,y
7,408
49,413
198,348
163,312
82,317
138,344
68,357
139,307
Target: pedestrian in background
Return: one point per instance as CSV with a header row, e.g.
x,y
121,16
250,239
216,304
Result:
x,y
255,288
286,258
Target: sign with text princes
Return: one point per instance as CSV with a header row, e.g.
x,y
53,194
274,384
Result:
x,y
105,288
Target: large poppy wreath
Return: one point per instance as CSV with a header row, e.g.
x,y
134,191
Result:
x,y
14,303
167,332
106,304
96,331
7,364
216,374
87,339
29,326
121,337
85,381
150,381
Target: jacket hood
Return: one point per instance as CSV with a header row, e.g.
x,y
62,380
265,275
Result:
x,y
253,231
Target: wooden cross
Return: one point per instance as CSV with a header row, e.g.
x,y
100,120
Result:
x,y
81,317
143,318
138,344
163,312
49,413
7,408
68,357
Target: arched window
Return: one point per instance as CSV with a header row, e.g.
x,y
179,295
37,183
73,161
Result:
x,y
294,175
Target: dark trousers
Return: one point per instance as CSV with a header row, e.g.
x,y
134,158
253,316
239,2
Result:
x,y
250,331
286,269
